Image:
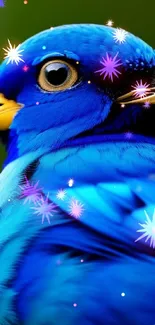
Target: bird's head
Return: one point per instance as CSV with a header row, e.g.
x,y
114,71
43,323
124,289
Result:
x,y
78,85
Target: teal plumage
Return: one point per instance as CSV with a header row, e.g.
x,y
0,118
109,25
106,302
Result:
x,y
74,270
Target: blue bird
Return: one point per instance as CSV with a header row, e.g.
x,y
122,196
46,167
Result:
x,y
77,119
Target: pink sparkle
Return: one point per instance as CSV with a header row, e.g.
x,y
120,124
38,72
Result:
x,y
76,208
37,103
140,89
75,305
30,192
82,261
25,68
110,65
45,209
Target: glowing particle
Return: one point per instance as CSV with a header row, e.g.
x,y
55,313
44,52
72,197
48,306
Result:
x,y
13,54
45,209
123,294
70,182
77,62
25,68
37,103
119,35
140,89
82,261
110,65
76,208
110,23
30,192
128,135
61,194
74,305
147,105
44,47
25,2
122,105
89,82
148,230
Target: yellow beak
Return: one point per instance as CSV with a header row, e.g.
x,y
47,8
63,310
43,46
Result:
x,y
8,110
129,98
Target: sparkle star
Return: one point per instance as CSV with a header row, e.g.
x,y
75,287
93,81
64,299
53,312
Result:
x,y
147,105
25,68
148,230
110,23
141,89
119,35
13,54
45,209
76,208
61,194
30,192
128,135
110,67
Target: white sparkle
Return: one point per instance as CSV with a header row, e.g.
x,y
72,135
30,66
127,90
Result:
x,y
61,194
70,182
123,294
12,53
148,230
110,23
119,35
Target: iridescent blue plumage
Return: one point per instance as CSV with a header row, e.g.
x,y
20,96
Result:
x,y
78,133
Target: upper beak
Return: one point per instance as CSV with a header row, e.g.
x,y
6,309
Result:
x,y
129,97
8,110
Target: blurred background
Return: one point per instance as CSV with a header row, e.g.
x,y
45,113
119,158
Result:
x,y
20,19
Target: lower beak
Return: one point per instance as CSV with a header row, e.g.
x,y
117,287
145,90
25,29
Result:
x,y
129,98
8,110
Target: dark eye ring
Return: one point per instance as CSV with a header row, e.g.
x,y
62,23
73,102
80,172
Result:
x,y
57,75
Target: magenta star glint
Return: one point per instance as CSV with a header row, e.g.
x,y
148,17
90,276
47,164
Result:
x,y
30,192
110,67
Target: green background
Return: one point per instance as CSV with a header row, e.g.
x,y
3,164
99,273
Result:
x,y
19,21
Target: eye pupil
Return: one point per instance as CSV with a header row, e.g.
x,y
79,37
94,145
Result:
x,y
57,73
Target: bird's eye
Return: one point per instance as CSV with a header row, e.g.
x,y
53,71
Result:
x,y
57,75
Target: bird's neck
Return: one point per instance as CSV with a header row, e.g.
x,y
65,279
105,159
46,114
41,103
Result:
x,y
11,148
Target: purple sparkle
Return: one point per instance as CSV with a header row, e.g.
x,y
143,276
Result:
x,y
147,105
128,135
30,192
140,89
45,209
110,65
